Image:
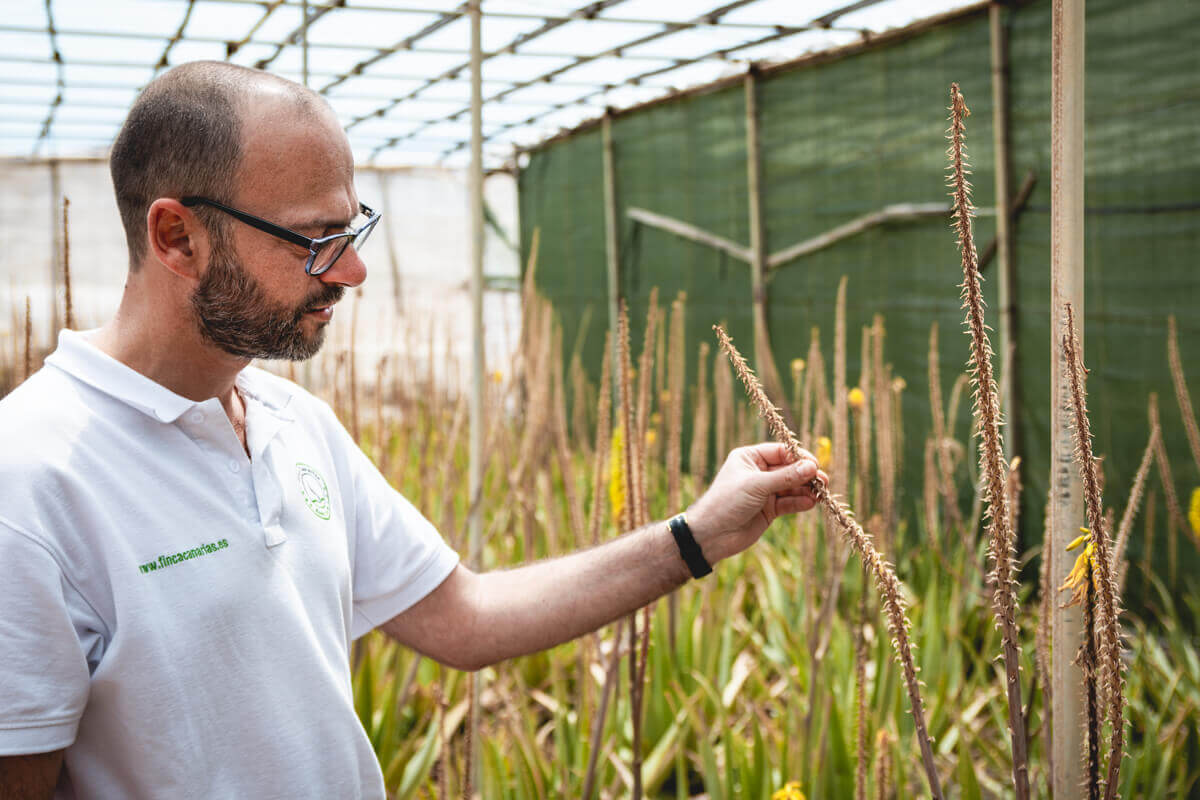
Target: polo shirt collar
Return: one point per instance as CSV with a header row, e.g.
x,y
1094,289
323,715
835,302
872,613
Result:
x,y
82,360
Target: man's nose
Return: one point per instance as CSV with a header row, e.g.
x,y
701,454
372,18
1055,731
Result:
x,y
349,270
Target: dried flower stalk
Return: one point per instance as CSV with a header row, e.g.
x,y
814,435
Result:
x,y
883,765
862,734
945,474
1174,512
1107,599
885,453
987,411
863,423
698,456
1181,392
1044,635
69,319
603,436
843,519
840,475
1131,507
28,340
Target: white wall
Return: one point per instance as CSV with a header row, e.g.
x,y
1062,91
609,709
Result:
x,y
426,222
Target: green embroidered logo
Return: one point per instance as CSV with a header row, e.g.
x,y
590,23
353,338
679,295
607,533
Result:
x,y
314,490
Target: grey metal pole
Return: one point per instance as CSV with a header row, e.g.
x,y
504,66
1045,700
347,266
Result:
x,y
56,242
304,43
1008,383
475,480
611,244
1066,286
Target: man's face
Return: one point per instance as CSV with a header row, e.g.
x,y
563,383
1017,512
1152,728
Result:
x,y
234,312
255,300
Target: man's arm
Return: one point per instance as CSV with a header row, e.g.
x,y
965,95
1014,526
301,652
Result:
x,y
29,777
473,620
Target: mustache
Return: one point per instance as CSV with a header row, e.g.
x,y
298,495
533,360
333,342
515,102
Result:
x,y
329,296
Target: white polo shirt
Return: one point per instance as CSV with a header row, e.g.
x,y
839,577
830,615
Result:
x,y
177,615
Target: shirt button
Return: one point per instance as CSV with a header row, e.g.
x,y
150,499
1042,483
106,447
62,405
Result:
x,y
234,466
196,416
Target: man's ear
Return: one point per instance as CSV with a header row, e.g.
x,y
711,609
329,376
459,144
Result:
x,y
176,238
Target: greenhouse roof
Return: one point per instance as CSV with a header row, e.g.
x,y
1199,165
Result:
x,y
398,74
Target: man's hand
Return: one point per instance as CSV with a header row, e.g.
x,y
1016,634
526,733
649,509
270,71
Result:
x,y
756,484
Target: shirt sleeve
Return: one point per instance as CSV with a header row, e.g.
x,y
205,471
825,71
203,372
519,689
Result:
x,y
44,675
398,555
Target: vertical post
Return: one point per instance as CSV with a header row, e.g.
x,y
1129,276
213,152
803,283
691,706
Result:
x,y
304,43
56,243
764,359
1066,286
612,243
477,354
1008,382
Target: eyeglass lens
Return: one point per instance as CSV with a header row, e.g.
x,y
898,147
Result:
x,y
331,251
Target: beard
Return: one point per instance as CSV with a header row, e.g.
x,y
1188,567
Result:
x,y
233,312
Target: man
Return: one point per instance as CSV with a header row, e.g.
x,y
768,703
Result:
x,y
191,544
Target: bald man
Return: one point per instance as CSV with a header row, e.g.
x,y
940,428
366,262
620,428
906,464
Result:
x,y
191,544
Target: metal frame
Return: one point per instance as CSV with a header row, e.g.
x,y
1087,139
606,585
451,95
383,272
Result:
x,y
420,125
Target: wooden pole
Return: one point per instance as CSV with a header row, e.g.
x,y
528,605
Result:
x,y
304,44
1008,383
1066,286
764,359
612,242
474,521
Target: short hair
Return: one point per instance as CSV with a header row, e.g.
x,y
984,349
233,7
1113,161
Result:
x,y
183,136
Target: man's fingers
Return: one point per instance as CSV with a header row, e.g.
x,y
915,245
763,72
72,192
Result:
x,y
774,454
794,504
790,478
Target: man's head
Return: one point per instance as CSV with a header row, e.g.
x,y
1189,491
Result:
x,y
252,141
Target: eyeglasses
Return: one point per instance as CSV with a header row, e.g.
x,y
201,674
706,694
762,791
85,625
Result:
x,y
322,252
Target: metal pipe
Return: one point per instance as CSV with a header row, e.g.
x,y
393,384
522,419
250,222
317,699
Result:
x,y
612,243
1008,382
1066,286
304,45
474,520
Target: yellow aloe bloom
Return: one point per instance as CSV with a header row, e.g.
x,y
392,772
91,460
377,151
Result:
x,y
824,452
616,475
1194,511
899,384
498,376
1083,570
797,366
651,437
856,398
790,791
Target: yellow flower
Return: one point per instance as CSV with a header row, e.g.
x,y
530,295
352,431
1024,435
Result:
x,y
498,376
899,384
790,791
1084,569
656,418
797,366
651,437
856,398
616,475
824,452
1194,511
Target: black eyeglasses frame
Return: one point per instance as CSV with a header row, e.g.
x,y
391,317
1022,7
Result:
x,y
357,237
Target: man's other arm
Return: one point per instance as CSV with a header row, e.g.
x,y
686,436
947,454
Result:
x,y
472,620
29,777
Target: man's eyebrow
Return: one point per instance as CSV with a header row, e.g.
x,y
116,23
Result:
x,y
323,224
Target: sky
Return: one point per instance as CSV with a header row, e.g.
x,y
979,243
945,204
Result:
x,y
408,107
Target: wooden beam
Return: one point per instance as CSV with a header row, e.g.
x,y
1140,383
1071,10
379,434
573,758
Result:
x,y
690,232
1066,286
892,213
